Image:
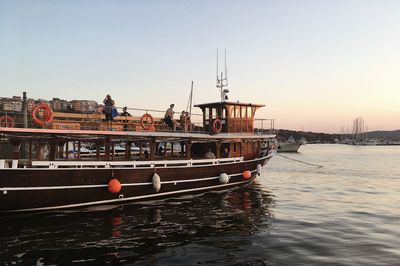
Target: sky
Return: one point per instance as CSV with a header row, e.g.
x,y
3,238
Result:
x,y
316,65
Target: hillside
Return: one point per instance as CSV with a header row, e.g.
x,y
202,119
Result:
x,y
395,134
314,137
310,137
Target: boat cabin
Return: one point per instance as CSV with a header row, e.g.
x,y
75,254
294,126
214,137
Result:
x,y
229,117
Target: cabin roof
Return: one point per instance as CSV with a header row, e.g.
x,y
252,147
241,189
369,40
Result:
x,y
218,104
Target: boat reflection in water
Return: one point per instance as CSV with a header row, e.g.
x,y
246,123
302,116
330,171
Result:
x,y
187,229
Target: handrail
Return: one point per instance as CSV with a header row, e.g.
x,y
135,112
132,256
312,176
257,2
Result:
x,y
94,121
135,164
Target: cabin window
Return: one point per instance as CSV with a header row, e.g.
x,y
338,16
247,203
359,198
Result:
x,y
237,111
249,112
230,111
213,113
244,112
206,113
223,115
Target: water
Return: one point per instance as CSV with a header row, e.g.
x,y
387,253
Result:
x,y
344,213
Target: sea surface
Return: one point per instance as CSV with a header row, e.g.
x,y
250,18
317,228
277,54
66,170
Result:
x,y
326,205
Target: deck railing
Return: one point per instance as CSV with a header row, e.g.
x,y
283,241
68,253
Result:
x,y
96,121
134,164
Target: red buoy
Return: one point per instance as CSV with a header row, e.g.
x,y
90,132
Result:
x,y
114,186
246,174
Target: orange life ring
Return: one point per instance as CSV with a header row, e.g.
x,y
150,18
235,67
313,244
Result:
x,y
47,115
216,126
147,121
7,121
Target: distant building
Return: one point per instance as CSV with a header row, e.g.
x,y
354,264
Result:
x,y
84,106
91,106
76,105
14,104
58,105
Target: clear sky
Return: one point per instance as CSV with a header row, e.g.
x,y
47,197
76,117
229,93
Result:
x,y
316,65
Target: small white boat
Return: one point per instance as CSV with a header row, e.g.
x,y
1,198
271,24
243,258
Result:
x,y
290,145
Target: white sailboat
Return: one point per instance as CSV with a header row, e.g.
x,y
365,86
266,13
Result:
x,y
359,135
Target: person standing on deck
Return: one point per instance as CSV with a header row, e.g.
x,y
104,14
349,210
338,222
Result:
x,y
189,125
126,114
108,107
169,117
183,121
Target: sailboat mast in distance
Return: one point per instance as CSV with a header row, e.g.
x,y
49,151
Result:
x,y
190,101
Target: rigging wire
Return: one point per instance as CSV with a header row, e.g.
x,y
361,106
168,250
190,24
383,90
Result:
x,y
288,158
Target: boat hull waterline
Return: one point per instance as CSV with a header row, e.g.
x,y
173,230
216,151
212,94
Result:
x,y
34,189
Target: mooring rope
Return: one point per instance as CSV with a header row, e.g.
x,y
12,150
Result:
x,y
316,165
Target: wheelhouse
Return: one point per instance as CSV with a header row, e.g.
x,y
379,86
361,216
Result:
x,y
234,117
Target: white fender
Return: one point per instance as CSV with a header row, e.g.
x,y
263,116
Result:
x,y
223,178
156,182
259,169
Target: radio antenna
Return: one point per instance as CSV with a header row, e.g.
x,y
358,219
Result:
x,y
217,69
222,81
226,71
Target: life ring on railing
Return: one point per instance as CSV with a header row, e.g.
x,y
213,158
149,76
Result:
x,y
216,126
147,121
47,115
7,121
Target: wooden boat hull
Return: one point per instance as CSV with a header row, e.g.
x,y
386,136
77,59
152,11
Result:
x,y
33,189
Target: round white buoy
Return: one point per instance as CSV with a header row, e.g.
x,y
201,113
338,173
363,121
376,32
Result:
x,y
259,169
223,178
156,182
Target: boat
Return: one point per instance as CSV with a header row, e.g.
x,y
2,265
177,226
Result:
x,y
38,173
290,145
359,135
